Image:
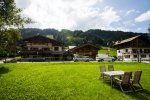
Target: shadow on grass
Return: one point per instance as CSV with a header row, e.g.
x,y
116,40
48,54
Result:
x,y
3,70
140,95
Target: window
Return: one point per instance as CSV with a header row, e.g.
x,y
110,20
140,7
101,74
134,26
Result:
x,y
135,56
56,48
134,50
146,50
119,51
126,50
45,49
143,56
141,51
127,56
34,49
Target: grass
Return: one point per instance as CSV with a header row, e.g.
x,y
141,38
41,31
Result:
x,y
104,50
66,81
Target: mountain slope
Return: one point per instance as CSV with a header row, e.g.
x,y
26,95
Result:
x,y
93,36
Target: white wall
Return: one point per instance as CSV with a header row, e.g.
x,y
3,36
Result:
x,y
123,53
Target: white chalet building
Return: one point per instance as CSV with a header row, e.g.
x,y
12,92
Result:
x,y
133,49
42,47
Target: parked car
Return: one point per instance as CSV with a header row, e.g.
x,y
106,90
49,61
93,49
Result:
x,y
104,57
10,61
82,58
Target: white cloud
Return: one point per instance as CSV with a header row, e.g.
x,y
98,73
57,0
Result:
x,y
23,3
132,11
68,14
128,23
143,17
97,19
56,13
109,16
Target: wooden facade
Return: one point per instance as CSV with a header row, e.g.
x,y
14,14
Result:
x,y
42,47
134,49
137,41
85,50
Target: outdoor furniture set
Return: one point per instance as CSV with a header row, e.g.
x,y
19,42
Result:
x,y
122,78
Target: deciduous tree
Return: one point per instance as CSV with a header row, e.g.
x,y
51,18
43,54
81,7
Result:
x,y
10,23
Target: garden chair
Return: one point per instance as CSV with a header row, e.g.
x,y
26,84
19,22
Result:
x,y
136,80
110,68
124,82
102,69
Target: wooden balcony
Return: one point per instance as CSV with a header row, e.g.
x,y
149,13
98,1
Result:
x,y
38,52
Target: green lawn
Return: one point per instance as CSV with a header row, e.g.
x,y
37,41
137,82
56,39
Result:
x,y
66,81
104,50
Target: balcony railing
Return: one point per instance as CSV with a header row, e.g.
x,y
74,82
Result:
x,y
41,52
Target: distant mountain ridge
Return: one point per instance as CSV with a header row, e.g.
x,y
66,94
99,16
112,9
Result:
x,y
93,36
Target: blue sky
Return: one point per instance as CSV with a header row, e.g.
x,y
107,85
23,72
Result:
x,y
124,15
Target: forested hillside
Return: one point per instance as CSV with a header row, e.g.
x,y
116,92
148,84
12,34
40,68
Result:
x,y
94,36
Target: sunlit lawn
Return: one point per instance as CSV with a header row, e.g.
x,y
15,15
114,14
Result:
x,y
66,81
104,50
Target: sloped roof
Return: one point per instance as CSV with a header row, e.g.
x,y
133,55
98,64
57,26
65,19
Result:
x,y
127,40
41,39
78,47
